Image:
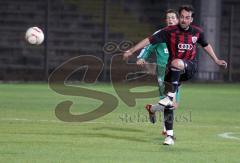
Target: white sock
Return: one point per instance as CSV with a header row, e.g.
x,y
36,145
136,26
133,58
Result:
x,y
170,132
171,94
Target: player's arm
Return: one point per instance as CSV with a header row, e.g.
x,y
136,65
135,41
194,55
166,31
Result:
x,y
145,54
156,38
212,54
208,48
135,48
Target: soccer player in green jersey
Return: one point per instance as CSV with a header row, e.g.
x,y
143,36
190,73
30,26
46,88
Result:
x,y
162,56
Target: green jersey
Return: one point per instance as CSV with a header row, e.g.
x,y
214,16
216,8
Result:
x,y
162,56
161,51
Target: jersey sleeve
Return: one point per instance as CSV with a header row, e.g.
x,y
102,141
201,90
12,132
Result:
x,y
146,52
159,37
202,41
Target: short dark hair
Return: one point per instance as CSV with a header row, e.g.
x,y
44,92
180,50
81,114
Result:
x,y
188,8
172,11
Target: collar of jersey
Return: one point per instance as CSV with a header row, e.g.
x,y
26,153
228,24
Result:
x,y
183,30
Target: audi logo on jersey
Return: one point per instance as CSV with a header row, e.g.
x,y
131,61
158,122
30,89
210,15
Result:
x,y
185,46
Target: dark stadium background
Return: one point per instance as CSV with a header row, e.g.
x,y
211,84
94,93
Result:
x,y
79,27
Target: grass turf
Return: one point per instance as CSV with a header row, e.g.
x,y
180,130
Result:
x,y
30,131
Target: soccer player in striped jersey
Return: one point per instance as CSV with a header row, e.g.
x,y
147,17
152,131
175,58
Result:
x,y
181,41
162,56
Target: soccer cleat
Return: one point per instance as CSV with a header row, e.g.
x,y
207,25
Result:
x,y
152,115
169,140
167,102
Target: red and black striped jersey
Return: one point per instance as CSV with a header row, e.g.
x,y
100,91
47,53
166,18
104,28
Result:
x,y
181,43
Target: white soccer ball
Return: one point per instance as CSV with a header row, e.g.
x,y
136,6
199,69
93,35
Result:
x,y
34,35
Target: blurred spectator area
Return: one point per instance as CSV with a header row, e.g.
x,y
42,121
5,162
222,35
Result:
x,y
80,27
230,37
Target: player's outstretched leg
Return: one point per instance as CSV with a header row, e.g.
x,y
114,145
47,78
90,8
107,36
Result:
x,y
152,109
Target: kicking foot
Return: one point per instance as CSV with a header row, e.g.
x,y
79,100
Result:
x,y
152,115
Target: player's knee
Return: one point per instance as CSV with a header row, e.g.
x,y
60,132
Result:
x,y
177,63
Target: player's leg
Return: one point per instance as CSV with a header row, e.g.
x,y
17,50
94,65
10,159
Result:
x,y
177,68
164,131
168,124
189,71
167,118
169,121
176,104
169,113
152,109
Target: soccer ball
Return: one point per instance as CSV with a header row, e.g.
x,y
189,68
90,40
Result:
x,y
34,35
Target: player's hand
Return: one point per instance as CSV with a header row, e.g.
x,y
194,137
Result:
x,y
141,62
127,54
222,63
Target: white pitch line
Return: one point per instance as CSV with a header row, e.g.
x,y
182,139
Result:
x,y
210,126
28,120
228,135
42,120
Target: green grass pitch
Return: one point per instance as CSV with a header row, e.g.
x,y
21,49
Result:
x,y
30,131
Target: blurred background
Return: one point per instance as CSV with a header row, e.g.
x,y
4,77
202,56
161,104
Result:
x,y
79,27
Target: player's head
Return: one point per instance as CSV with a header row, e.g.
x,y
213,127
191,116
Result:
x,y
186,14
171,17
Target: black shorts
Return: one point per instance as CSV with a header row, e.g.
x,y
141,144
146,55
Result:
x,y
190,68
